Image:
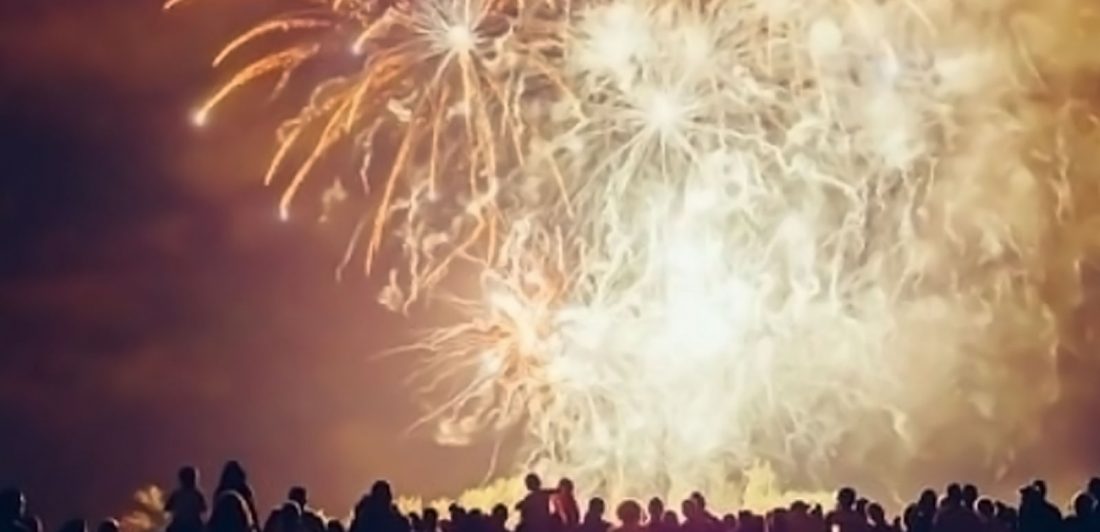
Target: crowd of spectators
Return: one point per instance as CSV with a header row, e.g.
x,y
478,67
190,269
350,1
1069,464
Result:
x,y
959,508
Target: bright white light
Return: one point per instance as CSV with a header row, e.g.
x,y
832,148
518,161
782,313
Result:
x,y
460,39
664,112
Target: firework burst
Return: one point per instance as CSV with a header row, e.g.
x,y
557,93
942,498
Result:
x,y
714,233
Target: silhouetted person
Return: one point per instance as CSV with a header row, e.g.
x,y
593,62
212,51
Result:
x,y
1036,513
670,521
861,507
750,522
799,519
970,496
845,517
1094,488
13,511
377,513
729,523
956,513
457,516
534,509
498,518
629,513
335,525
234,478
689,517
230,514
655,511
565,505
1007,516
593,520
924,513
311,520
708,520
1083,518
479,521
74,525
877,516
429,521
286,518
186,505
986,511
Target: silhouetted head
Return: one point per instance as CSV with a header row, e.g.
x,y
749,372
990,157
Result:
x,y
876,514
230,514
334,525
381,493
188,477
656,508
1084,505
596,507
986,508
108,525
846,498
969,495
1094,487
74,525
729,522
1040,488
629,512
688,508
909,517
297,494
861,506
13,505
431,517
233,476
700,501
927,500
565,486
499,515
954,493
671,520
533,482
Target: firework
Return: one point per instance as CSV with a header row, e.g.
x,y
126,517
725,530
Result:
x,y
713,234
438,82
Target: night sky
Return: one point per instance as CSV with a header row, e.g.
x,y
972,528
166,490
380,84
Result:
x,y
154,311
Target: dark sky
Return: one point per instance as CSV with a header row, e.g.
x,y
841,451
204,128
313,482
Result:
x,y
153,310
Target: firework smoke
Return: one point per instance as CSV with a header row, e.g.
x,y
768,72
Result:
x,y
719,233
